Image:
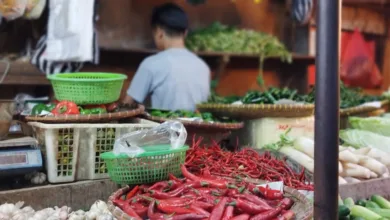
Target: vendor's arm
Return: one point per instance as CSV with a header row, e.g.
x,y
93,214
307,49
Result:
x,y
140,85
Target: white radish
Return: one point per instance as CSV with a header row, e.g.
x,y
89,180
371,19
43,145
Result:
x,y
354,170
373,175
385,175
379,155
342,181
372,164
299,157
340,168
348,156
304,145
363,151
351,180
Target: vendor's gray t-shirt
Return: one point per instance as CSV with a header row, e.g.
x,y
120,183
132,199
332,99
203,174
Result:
x,y
176,78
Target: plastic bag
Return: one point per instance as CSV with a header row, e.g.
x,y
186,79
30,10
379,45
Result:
x,y
12,9
358,67
134,143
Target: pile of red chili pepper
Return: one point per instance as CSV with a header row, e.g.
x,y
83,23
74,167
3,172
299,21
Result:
x,y
245,163
205,197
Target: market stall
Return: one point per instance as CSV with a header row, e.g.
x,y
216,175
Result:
x,y
293,144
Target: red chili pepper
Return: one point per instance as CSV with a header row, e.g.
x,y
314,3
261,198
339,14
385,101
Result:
x,y
66,108
270,193
252,198
228,214
126,208
241,217
214,183
169,209
159,185
120,203
218,210
152,215
249,207
188,216
286,203
174,178
132,192
204,205
268,215
199,210
140,209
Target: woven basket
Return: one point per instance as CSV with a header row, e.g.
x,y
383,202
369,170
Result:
x,y
88,118
360,109
255,111
303,208
200,125
87,88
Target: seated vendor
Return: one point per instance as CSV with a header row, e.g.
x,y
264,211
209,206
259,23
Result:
x,y
176,78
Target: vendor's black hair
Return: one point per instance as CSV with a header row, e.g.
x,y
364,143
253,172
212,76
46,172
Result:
x,y
171,18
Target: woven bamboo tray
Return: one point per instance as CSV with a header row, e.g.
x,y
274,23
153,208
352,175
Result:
x,y
303,208
360,109
200,125
255,111
88,118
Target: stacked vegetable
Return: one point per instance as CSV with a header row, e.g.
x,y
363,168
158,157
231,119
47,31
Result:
x,y
349,97
270,96
354,165
375,208
240,164
204,197
204,116
71,108
222,38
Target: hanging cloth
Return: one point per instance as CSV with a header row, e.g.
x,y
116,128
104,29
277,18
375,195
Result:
x,y
70,30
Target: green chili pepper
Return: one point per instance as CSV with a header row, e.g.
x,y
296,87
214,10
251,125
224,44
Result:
x,y
50,107
85,111
98,111
37,109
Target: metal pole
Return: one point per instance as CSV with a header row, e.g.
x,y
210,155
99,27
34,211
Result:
x,y
327,110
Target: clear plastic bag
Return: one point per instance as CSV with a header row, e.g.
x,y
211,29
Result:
x,y
134,143
12,9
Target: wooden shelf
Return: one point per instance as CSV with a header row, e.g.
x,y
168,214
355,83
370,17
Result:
x,y
296,57
23,73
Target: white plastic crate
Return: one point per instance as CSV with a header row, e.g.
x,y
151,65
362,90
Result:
x,y
72,151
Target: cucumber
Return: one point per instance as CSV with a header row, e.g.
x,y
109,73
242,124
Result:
x,y
371,204
349,202
382,212
343,211
361,202
382,202
360,211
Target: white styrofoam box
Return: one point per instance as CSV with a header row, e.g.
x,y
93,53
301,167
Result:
x,y
72,151
260,132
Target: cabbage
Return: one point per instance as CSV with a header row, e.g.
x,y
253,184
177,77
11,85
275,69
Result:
x,y
377,125
360,138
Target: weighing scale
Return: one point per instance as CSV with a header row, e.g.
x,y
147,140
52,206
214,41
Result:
x,y
19,156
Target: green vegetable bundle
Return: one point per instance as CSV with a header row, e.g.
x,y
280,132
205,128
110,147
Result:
x,y
222,38
349,97
270,96
205,116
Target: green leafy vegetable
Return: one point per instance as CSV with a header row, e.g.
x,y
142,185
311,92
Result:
x,y
377,125
359,138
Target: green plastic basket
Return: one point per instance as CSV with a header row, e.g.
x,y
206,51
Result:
x,y
87,88
154,165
